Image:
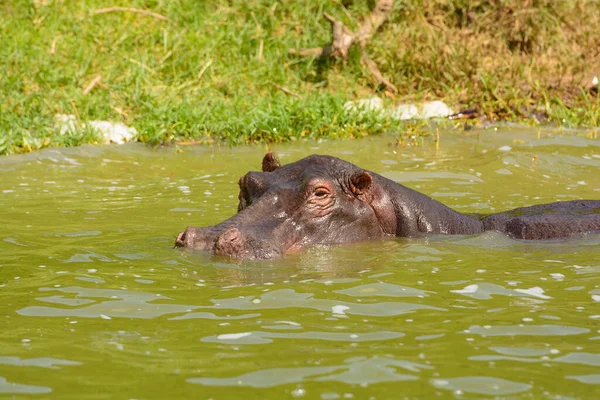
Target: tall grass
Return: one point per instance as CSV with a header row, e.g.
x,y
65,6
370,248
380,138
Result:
x,y
216,69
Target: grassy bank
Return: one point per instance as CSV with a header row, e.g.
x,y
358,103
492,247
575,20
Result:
x,y
220,70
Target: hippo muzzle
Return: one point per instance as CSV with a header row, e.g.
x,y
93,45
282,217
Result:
x,y
230,242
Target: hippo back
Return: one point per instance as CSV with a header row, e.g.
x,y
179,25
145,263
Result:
x,y
547,221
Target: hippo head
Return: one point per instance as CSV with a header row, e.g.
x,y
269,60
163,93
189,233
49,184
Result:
x,y
317,200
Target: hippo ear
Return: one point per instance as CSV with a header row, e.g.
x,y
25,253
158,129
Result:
x,y
270,163
361,183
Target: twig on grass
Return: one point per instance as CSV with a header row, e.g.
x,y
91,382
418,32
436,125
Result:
x,y
91,85
382,80
343,38
144,66
285,90
133,10
198,77
53,45
259,55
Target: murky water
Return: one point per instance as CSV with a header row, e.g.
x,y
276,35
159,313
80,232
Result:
x,y
95,302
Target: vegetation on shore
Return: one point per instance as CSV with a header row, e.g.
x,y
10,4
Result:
x,y
220,70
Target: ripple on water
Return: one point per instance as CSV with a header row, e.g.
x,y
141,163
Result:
x,y
521,351
65,301
592,379
424,176
78,234
484,291
89,279
520,354
356,370
43,362
129,304
88,258
580,358
121,303
261,337
288,298
526,330
208,315
481,385
382,289
19,388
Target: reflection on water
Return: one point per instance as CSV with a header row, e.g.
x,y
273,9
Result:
x,y
525,330
121,304
481,385
126,304
259,337
92,290
43,362
356,370
17,388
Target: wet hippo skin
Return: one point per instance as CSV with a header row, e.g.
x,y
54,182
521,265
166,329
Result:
x,y
326,200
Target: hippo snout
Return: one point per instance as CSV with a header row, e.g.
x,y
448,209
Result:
x,y
230,242
196,238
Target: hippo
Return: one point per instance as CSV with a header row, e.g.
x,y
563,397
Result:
x,y
325,200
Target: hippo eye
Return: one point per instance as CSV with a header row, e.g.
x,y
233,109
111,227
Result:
x,y
321,192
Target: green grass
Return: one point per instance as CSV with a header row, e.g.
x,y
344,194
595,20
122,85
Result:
x,y
203,75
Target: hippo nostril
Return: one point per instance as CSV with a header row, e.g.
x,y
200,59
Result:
x,y
180,241
186,238
229,243
232,235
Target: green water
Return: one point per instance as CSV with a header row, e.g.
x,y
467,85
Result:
x,y
95,302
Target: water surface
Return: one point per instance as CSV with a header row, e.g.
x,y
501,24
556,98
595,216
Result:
x,y
95,302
